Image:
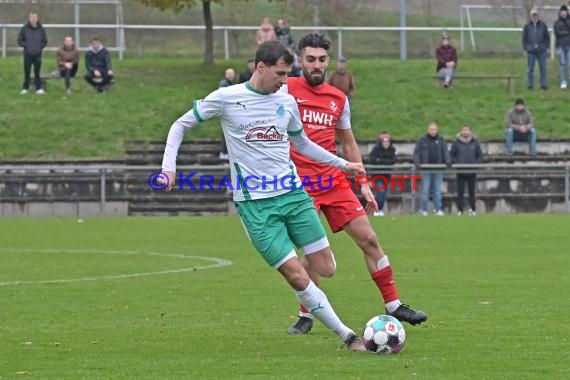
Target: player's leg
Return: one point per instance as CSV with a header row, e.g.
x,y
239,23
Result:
x,y
380,270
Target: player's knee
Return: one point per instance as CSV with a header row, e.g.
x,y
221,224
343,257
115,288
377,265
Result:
x,y
368,241
327,269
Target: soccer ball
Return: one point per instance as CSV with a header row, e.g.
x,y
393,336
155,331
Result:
x,y
384,334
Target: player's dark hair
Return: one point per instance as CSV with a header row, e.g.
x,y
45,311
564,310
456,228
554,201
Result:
x,y
269,53
314,40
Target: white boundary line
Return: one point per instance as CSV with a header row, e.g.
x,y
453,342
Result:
x,y
217,263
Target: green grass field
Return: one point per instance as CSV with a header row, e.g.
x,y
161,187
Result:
x,y
150,94
495,288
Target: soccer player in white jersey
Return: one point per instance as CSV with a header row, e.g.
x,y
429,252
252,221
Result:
x,y
259,123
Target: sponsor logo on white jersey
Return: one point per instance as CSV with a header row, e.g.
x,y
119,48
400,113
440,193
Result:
x,y
263,134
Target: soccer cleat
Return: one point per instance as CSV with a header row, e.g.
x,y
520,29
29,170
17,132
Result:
x,y
354,343
302,326
405,314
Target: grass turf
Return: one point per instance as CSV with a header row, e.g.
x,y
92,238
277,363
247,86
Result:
x,y
149,94
494,287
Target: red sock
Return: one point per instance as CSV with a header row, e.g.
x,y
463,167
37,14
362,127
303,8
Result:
x,y
384,280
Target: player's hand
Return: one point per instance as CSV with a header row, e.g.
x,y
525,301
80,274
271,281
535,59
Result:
x,y
371,204
168,179
355,168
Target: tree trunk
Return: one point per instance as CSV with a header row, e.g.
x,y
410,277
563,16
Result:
x,y
209,46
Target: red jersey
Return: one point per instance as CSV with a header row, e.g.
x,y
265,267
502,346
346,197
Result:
x,y
323,109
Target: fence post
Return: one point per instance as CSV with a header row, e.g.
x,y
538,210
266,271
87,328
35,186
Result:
x,y
567,189
339,42
3,41
103,173
413,192
552,47
226,44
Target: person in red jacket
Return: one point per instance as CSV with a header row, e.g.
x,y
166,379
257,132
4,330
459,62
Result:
x,y
446,61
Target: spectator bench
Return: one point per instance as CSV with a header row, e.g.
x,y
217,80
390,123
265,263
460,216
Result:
x,y
511,79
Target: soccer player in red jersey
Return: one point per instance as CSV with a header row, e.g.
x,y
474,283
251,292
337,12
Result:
x,y
325,113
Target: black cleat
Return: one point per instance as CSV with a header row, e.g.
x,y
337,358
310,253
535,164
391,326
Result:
x,y
405,314
354,343
302,326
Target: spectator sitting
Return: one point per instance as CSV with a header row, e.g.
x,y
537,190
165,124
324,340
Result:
x,y
562,33
520,127
283,33
68,61
431,148
342,79
229,77
244,76
446,61
466,150
536,41
383,153
98,64
265,32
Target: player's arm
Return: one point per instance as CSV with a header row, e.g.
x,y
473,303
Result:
x,y
202,110
352,153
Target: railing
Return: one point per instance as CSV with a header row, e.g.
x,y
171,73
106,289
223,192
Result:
x,y
121,46
101,173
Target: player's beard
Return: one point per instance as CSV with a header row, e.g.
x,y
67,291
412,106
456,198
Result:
x,y
315,81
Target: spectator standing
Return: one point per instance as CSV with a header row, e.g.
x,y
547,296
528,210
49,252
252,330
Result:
x,y
229,78
446,61
466,150
283,33
562,33
244,76
342,79
68,61
431,148
265,32
383,153
536,41
520,127
98,64
33,39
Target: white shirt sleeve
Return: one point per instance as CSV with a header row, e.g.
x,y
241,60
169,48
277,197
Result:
x,y
202,110
295,126
309,149
344,119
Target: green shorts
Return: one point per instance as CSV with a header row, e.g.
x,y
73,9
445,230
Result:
x,y
276,225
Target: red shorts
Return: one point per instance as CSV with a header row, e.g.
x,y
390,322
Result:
x,y
339,204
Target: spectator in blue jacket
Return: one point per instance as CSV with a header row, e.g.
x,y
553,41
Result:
x,y
466,150
431,148
98,64
536,41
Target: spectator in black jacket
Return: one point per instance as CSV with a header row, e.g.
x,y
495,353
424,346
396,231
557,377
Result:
x,y
33,39
98,64
536,41
466,150
431,148
562,33
244,76
383,153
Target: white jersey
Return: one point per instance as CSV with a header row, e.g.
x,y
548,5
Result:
x,y
256,127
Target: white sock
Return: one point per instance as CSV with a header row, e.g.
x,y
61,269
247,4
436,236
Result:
x,y
382,263
314,300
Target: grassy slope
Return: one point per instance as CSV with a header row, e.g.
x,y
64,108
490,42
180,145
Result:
x,y
491,284
391,95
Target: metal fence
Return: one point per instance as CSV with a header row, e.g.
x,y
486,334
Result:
x,y
120,41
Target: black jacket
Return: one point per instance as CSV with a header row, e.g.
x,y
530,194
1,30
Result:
x,y
427,143
98,60
562,32
33,40
466,151
380,156
536,38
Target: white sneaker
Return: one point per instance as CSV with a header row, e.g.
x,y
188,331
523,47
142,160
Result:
x,y
379,213
472,213
439,213
459,213
24,92
40,91
563,85
68,91
424,213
